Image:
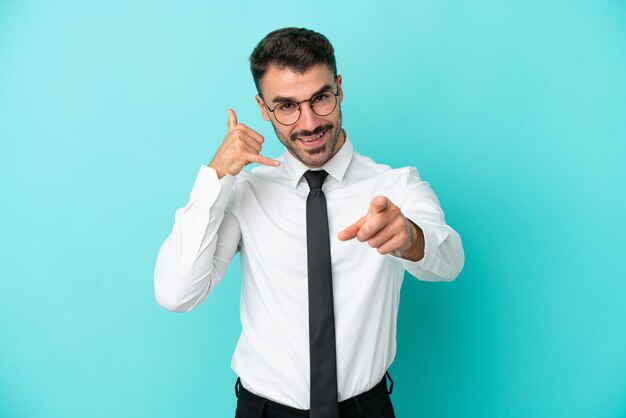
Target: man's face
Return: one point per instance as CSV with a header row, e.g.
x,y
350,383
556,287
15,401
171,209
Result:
x,y
301,138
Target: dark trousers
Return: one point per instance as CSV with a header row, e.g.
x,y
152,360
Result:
x,y
375,403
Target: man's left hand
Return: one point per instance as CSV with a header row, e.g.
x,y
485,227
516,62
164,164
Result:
x,y
385,228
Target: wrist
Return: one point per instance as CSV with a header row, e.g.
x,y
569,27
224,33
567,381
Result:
x,y
220,175
415,248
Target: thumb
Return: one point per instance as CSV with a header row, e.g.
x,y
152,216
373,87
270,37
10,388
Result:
x,y
232,119
379,204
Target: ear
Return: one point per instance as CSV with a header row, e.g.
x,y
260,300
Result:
x,y
262,107
339,89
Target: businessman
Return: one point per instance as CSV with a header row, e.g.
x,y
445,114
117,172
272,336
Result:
x,y
325,235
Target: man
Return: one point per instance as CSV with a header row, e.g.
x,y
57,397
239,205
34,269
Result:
x,y
325,235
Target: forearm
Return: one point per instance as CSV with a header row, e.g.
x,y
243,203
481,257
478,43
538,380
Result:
x,y
437,254
442,258
202,242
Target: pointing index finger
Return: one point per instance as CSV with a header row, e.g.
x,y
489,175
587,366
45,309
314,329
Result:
x,y
351,231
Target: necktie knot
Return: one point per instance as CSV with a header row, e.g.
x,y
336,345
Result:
x,y
315,178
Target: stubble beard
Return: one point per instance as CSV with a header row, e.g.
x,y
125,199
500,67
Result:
x,y
317,157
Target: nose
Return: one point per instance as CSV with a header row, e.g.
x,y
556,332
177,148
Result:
x,y
308,119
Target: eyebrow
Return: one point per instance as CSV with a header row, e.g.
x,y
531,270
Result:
x,y
280,99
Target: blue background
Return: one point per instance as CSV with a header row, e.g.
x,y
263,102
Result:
x,y
515,112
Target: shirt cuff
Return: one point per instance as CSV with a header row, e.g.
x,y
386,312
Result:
x,y
208,189
431,243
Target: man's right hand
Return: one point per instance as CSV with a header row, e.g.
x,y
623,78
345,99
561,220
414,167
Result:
x,y
240,147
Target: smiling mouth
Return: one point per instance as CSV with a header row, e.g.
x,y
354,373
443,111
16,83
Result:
x,y
311,138
313,142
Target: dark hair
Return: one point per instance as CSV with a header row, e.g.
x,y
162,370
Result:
x,y
297,49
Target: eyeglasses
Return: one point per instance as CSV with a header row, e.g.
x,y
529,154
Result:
x,y
288,113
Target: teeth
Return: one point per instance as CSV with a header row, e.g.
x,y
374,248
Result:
x,y
312,139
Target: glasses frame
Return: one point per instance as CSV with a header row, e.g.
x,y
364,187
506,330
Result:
x,y
299,107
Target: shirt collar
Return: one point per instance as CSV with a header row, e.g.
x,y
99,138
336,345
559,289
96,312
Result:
x,y
336,166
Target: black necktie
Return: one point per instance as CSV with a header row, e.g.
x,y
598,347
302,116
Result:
x,y
323,356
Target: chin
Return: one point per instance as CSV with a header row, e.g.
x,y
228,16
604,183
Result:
x,y
316,159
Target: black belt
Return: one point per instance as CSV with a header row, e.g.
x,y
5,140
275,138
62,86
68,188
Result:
x,y
364,401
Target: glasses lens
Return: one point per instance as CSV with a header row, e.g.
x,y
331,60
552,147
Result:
x,y
287,113
324,103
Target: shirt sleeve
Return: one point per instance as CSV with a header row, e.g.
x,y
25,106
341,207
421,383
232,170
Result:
x,y
443,253
203,241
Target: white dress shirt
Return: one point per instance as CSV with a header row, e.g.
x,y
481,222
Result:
x,y
262,214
